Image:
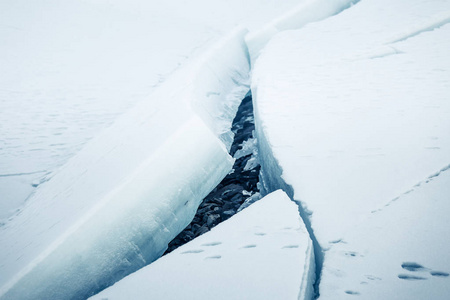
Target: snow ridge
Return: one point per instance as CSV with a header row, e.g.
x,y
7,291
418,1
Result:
x,y
428,179
306,12
434,22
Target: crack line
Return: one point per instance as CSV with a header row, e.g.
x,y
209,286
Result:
x,y
428,179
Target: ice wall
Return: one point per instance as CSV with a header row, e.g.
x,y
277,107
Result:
x,y
221,82
263,252
114,207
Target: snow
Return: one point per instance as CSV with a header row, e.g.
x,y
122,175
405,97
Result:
x,y
263,252
115,206
381,257
305,12
70,68
352,120
352,112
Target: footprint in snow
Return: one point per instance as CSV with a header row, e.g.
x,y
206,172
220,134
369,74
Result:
x,y
351,253
290,247
439,274
214,257
211,244
249,246
411,277
413,267
192,251
371,277
352,293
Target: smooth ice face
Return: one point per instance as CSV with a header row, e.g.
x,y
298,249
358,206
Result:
x,y
131,226
263,252
116,205
217,94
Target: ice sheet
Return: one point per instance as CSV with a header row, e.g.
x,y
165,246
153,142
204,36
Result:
x,y
263,252
69,69
352,112
115,206
352,128
305,12
399,251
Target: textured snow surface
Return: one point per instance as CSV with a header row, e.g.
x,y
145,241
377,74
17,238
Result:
x,y
355,110
263,252
398,252
114,206
306,12
70,68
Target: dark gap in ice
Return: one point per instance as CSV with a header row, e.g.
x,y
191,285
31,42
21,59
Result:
x,y
239,186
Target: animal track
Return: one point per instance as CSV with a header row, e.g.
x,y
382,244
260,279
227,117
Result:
x,y
410,277
212,244
415,267
352,292
260,233
412,266
192,251
439,274
290,246
335,241
250,246
214,257
371,277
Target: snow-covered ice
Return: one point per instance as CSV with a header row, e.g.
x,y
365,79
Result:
x,y
305,12
263,252
115,206
70,68
352,121
352,112
398,252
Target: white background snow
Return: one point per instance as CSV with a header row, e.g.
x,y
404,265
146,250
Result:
x,y
69,68
352,120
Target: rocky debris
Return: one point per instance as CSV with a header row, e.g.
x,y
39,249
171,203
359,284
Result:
x,y
239,186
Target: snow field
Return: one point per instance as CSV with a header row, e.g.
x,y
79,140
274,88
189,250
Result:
x,y
69,69
354,112
73,219
306,12
399,251
350,113
114,206
263,252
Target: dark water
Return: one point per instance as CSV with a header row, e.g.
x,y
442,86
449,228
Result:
x,y
229,195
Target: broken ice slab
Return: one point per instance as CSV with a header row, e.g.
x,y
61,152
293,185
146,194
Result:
x,y
263,252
